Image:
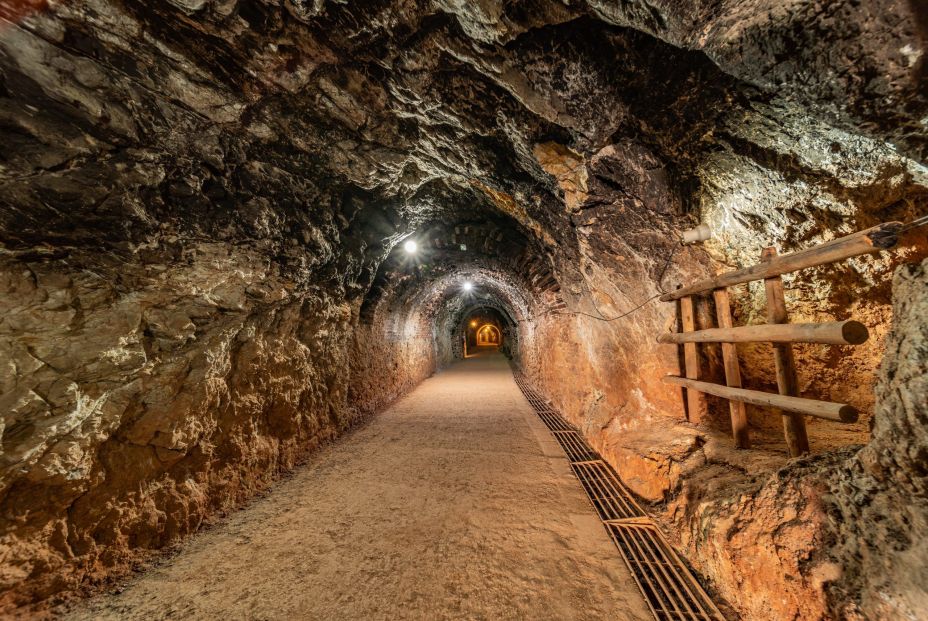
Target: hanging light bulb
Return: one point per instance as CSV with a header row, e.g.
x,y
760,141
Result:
x,y
411,247
468,285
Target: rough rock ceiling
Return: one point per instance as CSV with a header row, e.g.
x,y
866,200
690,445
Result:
x,y
136,116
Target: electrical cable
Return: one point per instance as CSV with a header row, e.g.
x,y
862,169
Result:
x,y
921,221
607,320
601,317
917,222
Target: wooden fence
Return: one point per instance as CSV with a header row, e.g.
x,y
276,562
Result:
x,y
777,331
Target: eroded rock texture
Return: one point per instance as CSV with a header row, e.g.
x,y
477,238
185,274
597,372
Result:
x,y
882,494
202,277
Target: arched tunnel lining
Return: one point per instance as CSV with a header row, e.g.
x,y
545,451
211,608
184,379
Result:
x,y
456,306
487,333
474,318
424,294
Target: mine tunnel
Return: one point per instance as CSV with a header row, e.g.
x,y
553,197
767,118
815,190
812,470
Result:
x,y
464,310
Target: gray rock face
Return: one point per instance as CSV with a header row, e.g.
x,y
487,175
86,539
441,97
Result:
x,y
202,275
880,506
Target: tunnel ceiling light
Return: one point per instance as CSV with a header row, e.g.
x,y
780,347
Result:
x,y
468,285
411,247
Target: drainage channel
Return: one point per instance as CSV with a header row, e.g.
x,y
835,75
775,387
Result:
x,y
670,589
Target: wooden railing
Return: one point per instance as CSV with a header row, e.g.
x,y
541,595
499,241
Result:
x,y
777,331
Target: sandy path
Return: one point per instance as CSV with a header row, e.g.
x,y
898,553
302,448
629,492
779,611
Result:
x,y
454,504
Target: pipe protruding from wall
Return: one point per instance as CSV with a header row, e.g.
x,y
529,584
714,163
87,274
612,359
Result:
x,y
700,233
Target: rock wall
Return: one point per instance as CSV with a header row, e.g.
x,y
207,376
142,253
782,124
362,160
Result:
x,y
140,398
389,356
753,522
776,538
877,502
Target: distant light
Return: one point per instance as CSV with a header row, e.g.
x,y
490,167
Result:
x,y
468,286
473,324
411,247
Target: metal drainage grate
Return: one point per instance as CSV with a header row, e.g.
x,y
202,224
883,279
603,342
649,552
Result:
x,y
609,497
671,591
577,450
537,402
553,421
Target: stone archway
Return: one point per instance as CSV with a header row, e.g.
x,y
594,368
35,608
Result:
x,y
489,336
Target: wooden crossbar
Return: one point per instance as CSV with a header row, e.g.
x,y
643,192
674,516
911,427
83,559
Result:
x,y
840,412
875,239
777,331
830,332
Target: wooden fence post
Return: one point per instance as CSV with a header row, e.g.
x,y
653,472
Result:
x,y
695,400
739,419
794,425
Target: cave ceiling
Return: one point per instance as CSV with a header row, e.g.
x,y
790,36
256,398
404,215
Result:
x,y
334,130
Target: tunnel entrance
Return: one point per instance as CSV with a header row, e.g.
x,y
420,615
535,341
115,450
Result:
x,y
484,330
488,336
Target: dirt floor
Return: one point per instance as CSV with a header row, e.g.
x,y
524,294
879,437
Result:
x,y
455,503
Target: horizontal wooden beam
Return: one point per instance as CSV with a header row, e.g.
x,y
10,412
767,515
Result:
x,y
831,332
841,412
875,239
